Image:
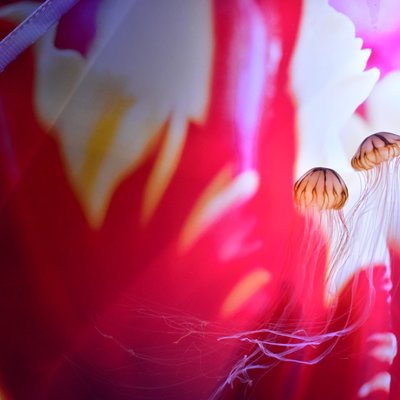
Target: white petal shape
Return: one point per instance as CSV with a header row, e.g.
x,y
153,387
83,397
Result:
x,y
224,192
383,105
328,82
148,68
381,114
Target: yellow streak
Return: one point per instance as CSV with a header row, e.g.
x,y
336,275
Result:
x,y
243,291
195,223
100,141
224,192
165,166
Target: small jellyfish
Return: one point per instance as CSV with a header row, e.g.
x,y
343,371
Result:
x,y
322,188
376,149
320,194
378,161
374,219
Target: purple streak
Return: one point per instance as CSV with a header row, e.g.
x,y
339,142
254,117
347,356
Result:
x,y
32,28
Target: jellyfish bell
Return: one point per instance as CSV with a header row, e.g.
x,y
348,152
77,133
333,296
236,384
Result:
x,y
320,195
376,149
321,188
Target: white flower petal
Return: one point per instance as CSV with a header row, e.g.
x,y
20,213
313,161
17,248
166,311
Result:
x,y
328,82
150,63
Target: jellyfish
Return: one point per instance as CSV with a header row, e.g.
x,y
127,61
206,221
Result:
x,y
320,194
375,150
321,188
377,159
377,211
318,255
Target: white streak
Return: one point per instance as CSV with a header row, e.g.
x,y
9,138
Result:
x,y
378,382
386,348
